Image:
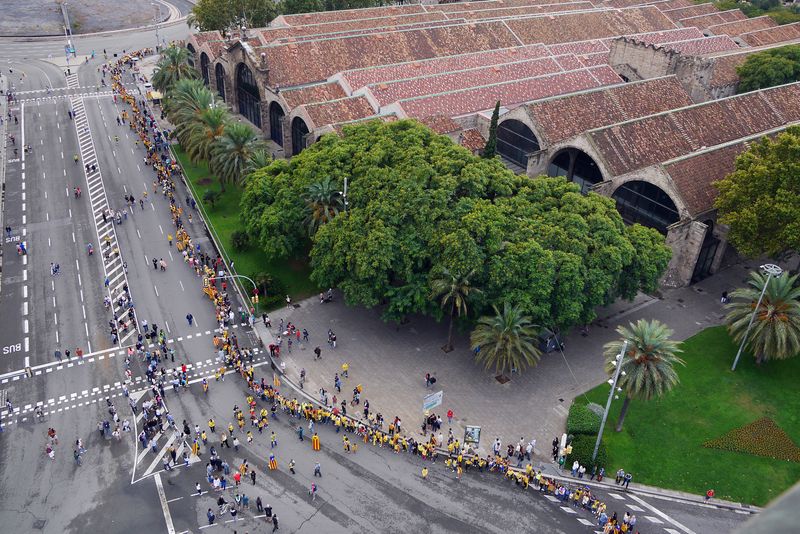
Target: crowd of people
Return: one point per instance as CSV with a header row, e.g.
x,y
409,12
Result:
x,y
370,429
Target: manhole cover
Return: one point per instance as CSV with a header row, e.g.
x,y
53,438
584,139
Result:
x,y
503,379
39,524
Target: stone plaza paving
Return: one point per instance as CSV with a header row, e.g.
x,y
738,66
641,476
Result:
x,y
390,362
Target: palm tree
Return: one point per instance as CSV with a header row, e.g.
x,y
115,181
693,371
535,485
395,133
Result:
x,y
453,292
775,334
173,66
324,202
648,363
185,102
507,341
259,159
203,133
232,151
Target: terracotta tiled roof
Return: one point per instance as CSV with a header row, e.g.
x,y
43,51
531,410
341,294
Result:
x,y
787,32
670,4
217,48
691,11
590,60
386,93
702,46
579,47
463,102
313,61
693,176
346,14
368,31
204,37
362,77
569,62
342,110
491,4
472,140
505,12
723,72
339,127
636,144
742,26
271,34
441,124
314,93
667,36
565,117
720,17
582,26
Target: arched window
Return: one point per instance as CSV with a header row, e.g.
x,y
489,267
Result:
x,y
515,141
248,94
299,133
204,67
219,74
192,52
577,166
646,204
276,123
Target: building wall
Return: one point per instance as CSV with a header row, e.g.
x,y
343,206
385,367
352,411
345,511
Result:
x,y
685,238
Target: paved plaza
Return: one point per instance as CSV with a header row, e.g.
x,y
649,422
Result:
x,y
390,362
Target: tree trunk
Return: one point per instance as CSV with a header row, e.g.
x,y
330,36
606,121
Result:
x,y
449,346
625,404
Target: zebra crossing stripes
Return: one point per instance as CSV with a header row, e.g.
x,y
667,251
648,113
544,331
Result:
x,y
108,245
72,81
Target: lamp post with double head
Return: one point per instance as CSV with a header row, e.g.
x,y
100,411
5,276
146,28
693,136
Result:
x,y
770,270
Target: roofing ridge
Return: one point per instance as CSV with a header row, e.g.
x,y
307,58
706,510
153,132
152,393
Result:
x,y
705,37
727,144
708,14
474,23
507,82
701,104
741,21
357,20
346,11
339,34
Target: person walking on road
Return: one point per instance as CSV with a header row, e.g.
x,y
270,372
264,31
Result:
x,y
189,318
318,470
274,523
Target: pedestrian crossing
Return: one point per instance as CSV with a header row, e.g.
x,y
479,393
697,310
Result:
x,y
51,98
72,81
108,246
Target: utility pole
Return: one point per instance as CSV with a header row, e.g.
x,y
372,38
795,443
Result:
x,y
770,270
618,363
157,21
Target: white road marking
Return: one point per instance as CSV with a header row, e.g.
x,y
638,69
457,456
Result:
x,y
164,506
662,515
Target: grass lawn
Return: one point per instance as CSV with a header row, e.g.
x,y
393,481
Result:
x,y
662,440
224,217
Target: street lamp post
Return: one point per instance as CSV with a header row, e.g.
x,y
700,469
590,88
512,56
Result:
x,y
618,364
770,270
344,194
238,276
157,22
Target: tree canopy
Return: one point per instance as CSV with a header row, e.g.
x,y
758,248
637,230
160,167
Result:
x,y
769,68
419,205
208,15
760,200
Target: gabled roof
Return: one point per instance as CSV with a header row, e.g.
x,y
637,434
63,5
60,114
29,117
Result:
x,y
564,117
743,26
778,34
640,143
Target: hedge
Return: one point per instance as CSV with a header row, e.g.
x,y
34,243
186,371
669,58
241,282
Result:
x,y
581,420
582,449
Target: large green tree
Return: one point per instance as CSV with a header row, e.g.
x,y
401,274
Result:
x,y
204,131
418,204
171,67
769,68
221,15
506,340
775,334
760,200
648,365
324,203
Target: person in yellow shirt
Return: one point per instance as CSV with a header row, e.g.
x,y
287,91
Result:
x,y
424,473
345,369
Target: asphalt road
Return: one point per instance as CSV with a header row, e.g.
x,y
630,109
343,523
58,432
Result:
x,y
119,486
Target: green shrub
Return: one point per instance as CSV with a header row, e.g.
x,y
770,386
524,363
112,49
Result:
x,y
240,240
582,448
581,420
270,287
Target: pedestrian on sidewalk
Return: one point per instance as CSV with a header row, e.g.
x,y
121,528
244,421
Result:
x,y
709,495
628,478
274,523
620,476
